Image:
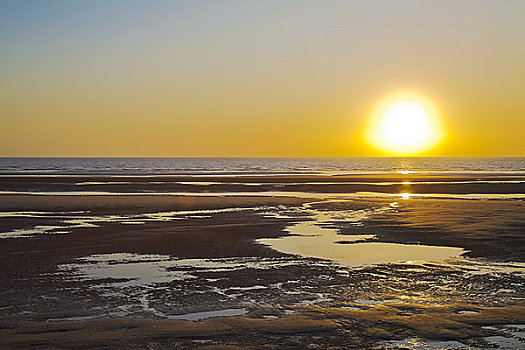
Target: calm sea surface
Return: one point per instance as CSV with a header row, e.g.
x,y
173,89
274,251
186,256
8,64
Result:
x,y
515,165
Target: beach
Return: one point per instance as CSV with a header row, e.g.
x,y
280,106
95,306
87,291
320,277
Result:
x,y
262,260
262,175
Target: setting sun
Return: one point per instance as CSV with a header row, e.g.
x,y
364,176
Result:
x,y
405,124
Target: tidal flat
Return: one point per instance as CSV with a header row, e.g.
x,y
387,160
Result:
x,y
305,271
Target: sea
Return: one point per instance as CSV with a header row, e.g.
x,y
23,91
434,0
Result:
x,y
350,165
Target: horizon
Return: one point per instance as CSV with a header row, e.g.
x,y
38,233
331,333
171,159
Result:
x,y
257,157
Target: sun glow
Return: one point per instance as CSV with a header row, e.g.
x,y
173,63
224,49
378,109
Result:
x,y
405,124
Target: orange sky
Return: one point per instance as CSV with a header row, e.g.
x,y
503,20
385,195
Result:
x,y
247,78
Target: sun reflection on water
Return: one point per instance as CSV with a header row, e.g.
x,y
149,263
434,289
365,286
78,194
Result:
x,y
405,195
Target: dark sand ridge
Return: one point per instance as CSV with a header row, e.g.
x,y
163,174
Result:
x,y
311,183
29,271
135,204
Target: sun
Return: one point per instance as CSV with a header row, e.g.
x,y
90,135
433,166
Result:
x,y
405,123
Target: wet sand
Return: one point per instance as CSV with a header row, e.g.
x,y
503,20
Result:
x,y
318,183
117,283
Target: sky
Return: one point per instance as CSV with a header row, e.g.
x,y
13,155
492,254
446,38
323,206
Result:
x,y
271,78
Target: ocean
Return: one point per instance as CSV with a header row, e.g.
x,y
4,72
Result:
x,y
503,165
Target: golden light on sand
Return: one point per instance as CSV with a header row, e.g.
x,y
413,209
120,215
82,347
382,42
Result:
x,y
405,124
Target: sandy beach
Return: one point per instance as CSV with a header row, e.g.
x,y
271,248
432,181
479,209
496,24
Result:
x,y
135,271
